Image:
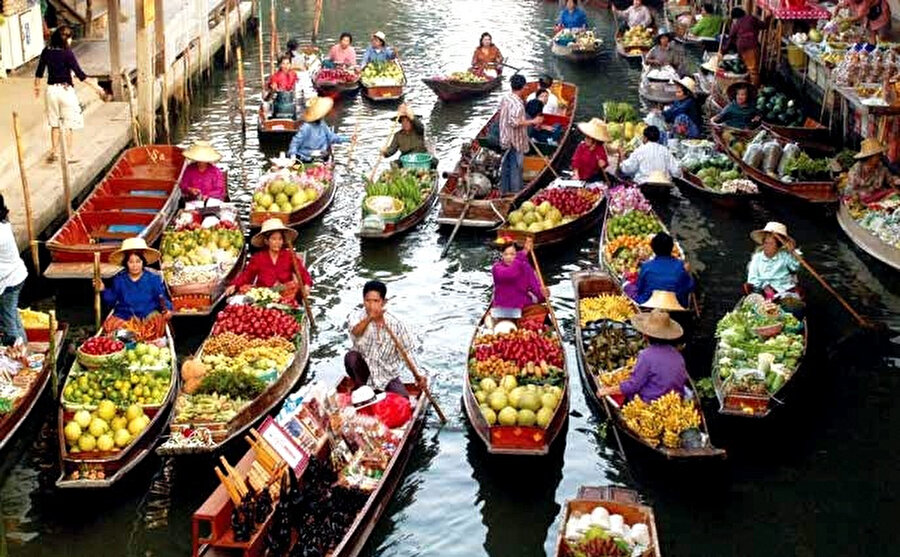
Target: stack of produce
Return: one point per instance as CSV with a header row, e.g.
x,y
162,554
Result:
x,y
382,74
34,319
464,77
194,255
624,125
786,162
733,65
749,363
611,345
141,375
601,534
337,75
106,429
778,108
605,306
882,219
663,420
553,207
637,38
579,40
407,187
290,189
630,226
719,173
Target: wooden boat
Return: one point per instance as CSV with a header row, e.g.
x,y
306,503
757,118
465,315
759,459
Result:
x,y
11,421
517,440
866,241
479,158
407,223
301,216
333,88
137,197
630,53
212,536
225,432
200,299
691,183
822,192
616,500
450,90
656,91
276,130
571,230
593,283
810,136
385,93
745,404
573,52
115,465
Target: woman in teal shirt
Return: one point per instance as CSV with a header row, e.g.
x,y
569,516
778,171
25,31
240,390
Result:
x,y
773,268
740,112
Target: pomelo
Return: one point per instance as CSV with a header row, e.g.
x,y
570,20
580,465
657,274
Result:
x,y
507,416
525,417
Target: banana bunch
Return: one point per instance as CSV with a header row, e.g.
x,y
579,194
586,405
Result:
x,y
662,420
34,319
605,306
612,378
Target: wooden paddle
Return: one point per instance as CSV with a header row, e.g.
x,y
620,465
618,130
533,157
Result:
x,y
859,318
414,370
537,269
26,194
462,216
383,147
306,305
96,290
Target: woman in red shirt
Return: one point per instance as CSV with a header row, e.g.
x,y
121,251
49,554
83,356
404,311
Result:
x,y
274,266
285,78
590,160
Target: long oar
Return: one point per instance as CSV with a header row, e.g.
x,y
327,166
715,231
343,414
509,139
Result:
x,y
97,315
859,318
537,269
26,194
462,216
383,147
415,371
307,307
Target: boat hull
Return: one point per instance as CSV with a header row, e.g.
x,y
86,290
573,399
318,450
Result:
x,y
408,222
575,55
691,183
866,241
451,91
300,217
569,231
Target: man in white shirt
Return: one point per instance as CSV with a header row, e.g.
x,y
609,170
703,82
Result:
x,y
552,105
650,157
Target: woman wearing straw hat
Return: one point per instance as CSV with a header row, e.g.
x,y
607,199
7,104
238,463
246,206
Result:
x,y
665,52
773,268
138,297
660,368
663,272
202,179
590,160
869,178
315,136
275,266
410,138
378,50
685,105
741,112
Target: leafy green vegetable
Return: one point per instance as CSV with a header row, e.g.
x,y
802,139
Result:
x,y
236,386
805,168
620,112
409,186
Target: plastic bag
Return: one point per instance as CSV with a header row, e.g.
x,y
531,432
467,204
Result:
x,y
771,157
790,152
393,411
753,155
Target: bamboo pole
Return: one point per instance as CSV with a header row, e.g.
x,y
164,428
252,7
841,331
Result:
x,y
415,371
165,105
26,193
387,142
315,33
96,290
227,32
240,88
259,41
64,165
859,318
51,355
273,38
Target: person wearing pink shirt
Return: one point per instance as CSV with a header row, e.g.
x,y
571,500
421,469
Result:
x,y
516,285
201,179
343,53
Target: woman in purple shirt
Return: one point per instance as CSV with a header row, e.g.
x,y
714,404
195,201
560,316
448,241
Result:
x,y
515,282
660,367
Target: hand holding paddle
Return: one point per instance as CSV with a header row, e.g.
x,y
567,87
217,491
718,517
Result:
x,y
859,318
420,380
307,308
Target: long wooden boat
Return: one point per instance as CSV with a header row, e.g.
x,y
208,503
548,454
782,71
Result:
x,y
656,91
212,535
866,241
225,432
594,283
301,216
334,88
11,421
137,197
633,53
570,230
276,130
451,90
480,156
407,223
115,465
821,192
745,404
691,183
516,440
616,500
201,299
573,52
810,136
385,93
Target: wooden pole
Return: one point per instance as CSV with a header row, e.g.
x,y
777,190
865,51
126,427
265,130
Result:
x,y
51,355
543,158
159,34
259,41
227,32
537,268
165,105
307,307
64,166
383,147
414,370
115,58
273,38
26,194
240,88
145,72
88,17
315,33
859,318
97,314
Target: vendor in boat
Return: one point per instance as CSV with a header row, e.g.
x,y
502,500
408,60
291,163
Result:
x,y
709,25
516,284
666,53
650,158
869,179
137,295
411,136
744,35
378,50
315,137
374,358
741,112
663,272
12,278
660,368
685,104
487,57
636,15
590,160
284,80
275,265
343,54
773,268
534,110
552,105
201,179
571,17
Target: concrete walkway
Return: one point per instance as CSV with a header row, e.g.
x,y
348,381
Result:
x,y
106,132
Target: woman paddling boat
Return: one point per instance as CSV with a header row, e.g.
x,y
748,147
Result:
x,y
590,161
410,138
869,178
666,52
571,17
202,180
276,266
773,268
315,138
741,112
516,284
487,57
663,272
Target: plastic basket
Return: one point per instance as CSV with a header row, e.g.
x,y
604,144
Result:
x,y
416,161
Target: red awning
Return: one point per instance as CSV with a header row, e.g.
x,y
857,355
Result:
x,y
781,9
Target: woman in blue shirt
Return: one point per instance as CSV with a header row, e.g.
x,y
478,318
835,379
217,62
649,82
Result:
x,y
663,272
315,138
572,17
686,104
773,268
378,51
138,297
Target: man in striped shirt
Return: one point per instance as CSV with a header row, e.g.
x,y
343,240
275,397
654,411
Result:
x,y
514,136
650,157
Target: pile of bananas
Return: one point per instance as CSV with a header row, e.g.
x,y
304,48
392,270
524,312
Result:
x,y
662,420
605,306
613,378
832,59
34,319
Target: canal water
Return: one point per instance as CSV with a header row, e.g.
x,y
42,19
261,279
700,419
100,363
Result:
x,y
818,477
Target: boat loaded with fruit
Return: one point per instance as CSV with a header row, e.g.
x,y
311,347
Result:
x,y
316,478
256,353
576,45
635,42
294,192
607,347
398,200
471,193
332,82
383,81
115,403
462,85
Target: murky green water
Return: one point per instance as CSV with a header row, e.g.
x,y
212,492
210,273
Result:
x,y
817,478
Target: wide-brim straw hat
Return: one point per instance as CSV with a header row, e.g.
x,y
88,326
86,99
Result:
x,y
365,396
689,84
660,177
711,65
595,129
202,151
273,225
405,111
318,108
665,300
380,35
731,91
134,244
657,324
869,148
772,227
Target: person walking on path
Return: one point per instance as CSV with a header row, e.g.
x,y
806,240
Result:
x,y
744,36
12,277
513,136
62,104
